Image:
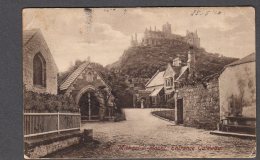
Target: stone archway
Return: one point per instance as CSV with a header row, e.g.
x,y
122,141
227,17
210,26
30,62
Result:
x,y
83,81
91,103
89,106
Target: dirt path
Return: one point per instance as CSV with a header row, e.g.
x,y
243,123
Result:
x,y
143,135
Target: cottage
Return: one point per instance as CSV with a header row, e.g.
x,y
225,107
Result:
x,y
237,90
39,68
160,89
90,91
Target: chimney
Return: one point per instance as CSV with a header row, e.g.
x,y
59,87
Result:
x,y
176,62
191,61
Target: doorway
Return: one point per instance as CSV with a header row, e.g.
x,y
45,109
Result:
x,y
180,111
89,106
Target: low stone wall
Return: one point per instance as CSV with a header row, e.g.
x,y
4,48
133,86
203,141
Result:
x,y
201,105
37,148
43,150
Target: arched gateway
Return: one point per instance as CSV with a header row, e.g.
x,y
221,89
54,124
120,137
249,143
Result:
x,y
89,91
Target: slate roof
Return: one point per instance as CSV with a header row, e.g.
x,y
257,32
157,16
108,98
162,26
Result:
x,y
156,80
181,72
156,91
72,77
158,77
249,58
67,82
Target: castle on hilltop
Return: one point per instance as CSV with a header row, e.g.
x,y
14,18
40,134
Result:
x,y
157,37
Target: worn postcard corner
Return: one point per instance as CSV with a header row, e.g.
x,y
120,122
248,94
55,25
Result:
x,y
169,82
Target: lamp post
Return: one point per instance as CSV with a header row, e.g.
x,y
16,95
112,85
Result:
x,y
176,105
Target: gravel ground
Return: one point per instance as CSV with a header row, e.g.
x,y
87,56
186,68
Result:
x,y
144,136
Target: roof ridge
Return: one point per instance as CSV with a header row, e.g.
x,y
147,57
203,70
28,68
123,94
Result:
x,y
103,79
35,31
181,72
83,66
246,59
64,79
156,73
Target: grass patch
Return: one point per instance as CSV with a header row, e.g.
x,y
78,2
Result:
x,y
167,114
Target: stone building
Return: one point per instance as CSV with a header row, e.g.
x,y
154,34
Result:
x,y
161,87
155,89
39,68
198,105
226,99
237,89
237,85
157,37
90,91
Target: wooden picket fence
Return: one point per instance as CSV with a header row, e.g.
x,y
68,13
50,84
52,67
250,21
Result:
x,y
36,124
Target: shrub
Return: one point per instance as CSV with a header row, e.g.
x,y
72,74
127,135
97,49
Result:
x,y
44,102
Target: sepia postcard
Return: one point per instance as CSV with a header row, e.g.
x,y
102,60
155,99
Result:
x,y
153,82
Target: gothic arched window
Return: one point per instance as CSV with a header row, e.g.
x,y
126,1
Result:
x,y
90,77
39,70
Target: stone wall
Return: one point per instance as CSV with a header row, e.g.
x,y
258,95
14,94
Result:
x,y
38,146
35,45
201,105
238,91
45,149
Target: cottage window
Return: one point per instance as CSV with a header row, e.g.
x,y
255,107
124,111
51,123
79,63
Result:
x,y
171,80
39,70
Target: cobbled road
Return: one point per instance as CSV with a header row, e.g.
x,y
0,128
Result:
x,y
144,136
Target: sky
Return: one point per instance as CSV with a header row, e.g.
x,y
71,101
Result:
x,y
104,33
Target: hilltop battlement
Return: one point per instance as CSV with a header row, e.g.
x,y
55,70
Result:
x,y
156,37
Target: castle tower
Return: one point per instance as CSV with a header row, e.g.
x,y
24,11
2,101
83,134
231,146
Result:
x,y
191,61
166,28
192,38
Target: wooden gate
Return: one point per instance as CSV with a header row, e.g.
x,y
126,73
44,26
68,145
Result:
x,y
180,111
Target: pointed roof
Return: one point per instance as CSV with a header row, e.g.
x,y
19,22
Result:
x,y
156,91
182,71
169,66
247,59
156,80
73,76
28,36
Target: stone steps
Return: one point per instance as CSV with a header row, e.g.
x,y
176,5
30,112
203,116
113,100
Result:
x,y
233,134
